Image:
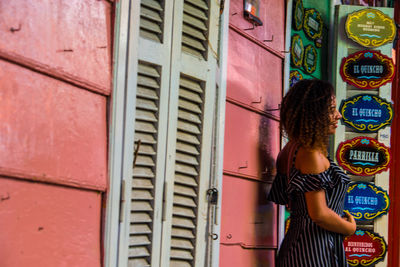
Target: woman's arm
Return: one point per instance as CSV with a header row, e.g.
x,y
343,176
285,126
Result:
x,y
326,218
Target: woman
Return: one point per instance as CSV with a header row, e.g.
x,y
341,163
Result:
x,y
309,182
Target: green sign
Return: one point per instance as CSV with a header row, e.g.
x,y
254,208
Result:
x,y
313,24
370,27
297,51
298,11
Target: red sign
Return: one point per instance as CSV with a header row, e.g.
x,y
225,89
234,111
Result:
x,y
363,156
364,248
367,69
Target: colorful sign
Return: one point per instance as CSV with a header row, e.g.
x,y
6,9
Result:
x,y
363,156
366,113
313,24
366,201
364,248
310,59
297,51
367,69
370,27
294,77
298,11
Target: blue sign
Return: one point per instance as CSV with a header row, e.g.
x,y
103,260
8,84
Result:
x,y
366,113
366,201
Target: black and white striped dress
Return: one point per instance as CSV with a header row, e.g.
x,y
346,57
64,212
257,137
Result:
x,y
305,243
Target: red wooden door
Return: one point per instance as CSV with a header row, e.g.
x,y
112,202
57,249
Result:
x,y
252,138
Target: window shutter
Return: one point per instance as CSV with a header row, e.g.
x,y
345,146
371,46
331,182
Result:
x,y
143,180
151,19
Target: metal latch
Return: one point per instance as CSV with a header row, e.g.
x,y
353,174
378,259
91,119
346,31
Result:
x,y
212,194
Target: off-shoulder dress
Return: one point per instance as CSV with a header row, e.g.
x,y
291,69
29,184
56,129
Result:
x,y
306,244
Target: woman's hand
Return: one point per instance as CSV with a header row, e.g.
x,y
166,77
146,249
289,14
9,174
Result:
x,y
348,217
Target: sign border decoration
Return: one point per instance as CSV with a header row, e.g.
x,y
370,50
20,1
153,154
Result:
x,y
364,127
296,62
294,75
367,42
314,14
364,84
309,49
297,20
362,171
375,237
362,216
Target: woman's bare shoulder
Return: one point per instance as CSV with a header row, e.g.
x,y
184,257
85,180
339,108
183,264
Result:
x,y
311,161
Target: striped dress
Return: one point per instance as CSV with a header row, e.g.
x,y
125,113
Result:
x,y
305,243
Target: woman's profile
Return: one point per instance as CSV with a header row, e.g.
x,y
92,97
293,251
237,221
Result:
x,y
308,182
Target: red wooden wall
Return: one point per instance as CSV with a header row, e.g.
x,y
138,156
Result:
x,y
55,80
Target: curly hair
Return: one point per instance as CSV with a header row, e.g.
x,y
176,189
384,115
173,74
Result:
x,y
304,113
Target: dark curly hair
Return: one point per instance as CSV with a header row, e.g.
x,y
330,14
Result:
x,y
304,113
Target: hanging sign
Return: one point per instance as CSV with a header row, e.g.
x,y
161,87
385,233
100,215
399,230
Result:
x,y
298,11
366,201
370,27
364,248
313,23
366,113
297,51
363,156
294,77
310,59
367,69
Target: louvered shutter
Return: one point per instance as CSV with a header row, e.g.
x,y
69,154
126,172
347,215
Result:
x,y
192,106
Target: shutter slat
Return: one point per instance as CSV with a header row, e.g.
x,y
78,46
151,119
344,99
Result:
x,y
143,172
184,115
194,11
199,3
190,84
184,212
142,160
181,243
141,206
146,149
145,127
190,95
140,229
148,70
181,254
144,92
187,148
138,262
188,127
181,232
152,4
138,252
182,222
150,14
142,183
180,263
186,169
140,217
139,240
138,194
188,138
148,81
146,104
145,115
194,22
190,106
185,180
185,190
193,43
184,201
145,138
193,32
186,159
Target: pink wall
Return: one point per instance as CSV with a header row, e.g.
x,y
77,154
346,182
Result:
x,y
55,80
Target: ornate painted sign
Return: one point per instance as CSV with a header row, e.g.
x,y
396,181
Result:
x,y
366,113
366,201
367,69
363,156
370,27
298,11
297,51
364,248
313,23
294,77
310,59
